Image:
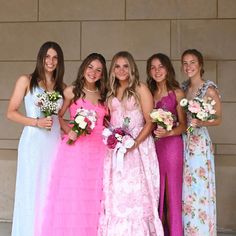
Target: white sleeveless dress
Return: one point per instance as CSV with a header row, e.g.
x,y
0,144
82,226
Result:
x,y
36,152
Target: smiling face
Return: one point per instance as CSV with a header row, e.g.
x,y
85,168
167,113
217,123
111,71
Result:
x,y
93,72
158,71
50,61
121,69
191,66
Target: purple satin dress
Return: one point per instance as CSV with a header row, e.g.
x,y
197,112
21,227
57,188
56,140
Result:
x,y
170,157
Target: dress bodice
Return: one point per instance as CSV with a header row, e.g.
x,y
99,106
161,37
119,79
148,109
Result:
x,y
30,100
126,108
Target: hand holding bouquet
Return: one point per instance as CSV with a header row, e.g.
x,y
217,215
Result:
x,y
201,109
83,123
49,103
163,118
119,140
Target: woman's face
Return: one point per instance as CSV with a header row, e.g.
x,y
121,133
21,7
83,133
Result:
x,y
121,69
50,61
93,72
190,65
157,71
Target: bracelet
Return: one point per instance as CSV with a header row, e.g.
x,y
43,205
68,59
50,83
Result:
x,y
37,121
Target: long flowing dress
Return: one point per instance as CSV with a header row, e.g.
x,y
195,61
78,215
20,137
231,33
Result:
x,y
74,199
170,157
36,153
131,195
199,194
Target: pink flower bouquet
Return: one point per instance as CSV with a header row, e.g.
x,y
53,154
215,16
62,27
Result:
x,y
83,123
201,109
163,118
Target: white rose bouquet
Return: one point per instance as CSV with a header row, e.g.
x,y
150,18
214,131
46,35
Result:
x,y
83,123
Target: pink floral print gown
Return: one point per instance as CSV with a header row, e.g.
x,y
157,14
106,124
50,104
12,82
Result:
x,y
199,194
131,196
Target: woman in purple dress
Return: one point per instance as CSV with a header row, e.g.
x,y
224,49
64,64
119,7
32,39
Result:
x,y
169,145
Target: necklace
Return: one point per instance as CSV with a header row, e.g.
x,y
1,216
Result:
x,y
91,91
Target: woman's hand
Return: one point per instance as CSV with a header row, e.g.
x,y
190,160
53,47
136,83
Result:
x,y
72,135
160,132
45,122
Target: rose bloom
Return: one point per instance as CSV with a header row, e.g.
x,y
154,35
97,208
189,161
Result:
x,y
194,107
183,102
192,231
79,118
188,179
111,141
119,131
202,215
201,172
187,209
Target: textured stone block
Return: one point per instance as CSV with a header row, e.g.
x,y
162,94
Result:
x,y
226,80
169,9
9,73
19,10
141,38
81,10
7,179
226,8
9,129
225,133
214,38
21,41
225,191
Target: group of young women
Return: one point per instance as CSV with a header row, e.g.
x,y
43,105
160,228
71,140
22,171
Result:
x,y
167,182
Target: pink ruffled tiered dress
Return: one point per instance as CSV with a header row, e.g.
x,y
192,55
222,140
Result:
x,y
75,193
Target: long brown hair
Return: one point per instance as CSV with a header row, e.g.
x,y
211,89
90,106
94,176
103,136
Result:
x,y
171,81
113,82
39,73
80,80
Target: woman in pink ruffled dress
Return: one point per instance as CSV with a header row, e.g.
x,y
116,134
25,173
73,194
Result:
x,y
75,193
131,192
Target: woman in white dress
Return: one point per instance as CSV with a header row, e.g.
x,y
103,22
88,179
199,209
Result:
x,y
39,139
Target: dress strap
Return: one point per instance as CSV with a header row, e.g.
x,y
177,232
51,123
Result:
x,y
207,84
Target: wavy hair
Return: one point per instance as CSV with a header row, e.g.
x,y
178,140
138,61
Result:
x,y
39,73
113,83
80,80
171,81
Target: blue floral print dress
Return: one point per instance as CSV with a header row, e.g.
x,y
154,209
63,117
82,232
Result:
x,y
199,195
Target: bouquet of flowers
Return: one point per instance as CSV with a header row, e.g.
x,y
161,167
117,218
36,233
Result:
x,y
201,109
163,118
83,123
49,102
119,140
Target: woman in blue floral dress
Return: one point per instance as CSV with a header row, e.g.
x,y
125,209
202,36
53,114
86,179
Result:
x,y
199,196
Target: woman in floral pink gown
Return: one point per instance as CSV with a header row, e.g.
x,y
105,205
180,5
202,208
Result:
x,y
169,144
75,192
131,194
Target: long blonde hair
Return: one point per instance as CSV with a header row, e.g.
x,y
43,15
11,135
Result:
x,y
113,82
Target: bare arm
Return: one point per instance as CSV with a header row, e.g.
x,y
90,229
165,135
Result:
x,y
146,102
68,96
182,120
